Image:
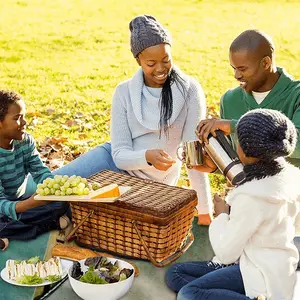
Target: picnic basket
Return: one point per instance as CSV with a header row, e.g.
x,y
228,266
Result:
x,y
151,221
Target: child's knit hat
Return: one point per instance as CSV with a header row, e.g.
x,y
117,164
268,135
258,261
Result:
x,y
266,134
146,31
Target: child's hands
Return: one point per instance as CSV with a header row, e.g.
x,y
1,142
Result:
x,y
159,159
220,206
29,203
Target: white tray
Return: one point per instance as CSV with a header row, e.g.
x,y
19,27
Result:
x,y
86,198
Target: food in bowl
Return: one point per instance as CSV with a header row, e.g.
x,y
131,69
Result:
x,y
100,271
101,275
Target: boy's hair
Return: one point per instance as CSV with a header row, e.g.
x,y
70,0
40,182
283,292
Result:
x,y
7,98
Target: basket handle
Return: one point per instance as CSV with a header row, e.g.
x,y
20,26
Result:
x,y
70,235
168,260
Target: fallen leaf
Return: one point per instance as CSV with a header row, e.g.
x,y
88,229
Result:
x,y
88,125
50,111
79,143
79,115
33,114
55,163
83,136
59,140
70,123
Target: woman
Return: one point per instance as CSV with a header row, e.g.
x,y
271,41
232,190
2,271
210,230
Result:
x,y
152,114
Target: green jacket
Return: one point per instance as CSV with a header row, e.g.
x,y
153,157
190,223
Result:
x,y
284,96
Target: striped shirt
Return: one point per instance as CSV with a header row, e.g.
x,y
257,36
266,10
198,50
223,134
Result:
x,y
15,165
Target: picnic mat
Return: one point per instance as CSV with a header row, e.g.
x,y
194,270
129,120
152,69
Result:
x,y
149,285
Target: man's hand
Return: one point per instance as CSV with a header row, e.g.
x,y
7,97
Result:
x,y
205,127
29,203
159,159
220,206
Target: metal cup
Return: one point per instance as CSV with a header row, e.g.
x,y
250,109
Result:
x,y
193,153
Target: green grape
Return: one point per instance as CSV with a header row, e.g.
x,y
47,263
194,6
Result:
x,y
57,193
42,193
95,186
74,190
65,178
81,185
47,180
52,191
72,177
67,184
56,186
57,178
50,185
69,191
40,186
86,191
79,192
63,193
46,191
39,191
63,188
84,180
74,183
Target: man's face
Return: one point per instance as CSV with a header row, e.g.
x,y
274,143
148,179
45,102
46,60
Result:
x,y
14,124
156,62
249,70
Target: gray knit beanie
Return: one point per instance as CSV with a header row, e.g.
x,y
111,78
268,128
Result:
x,y
146,31
266,134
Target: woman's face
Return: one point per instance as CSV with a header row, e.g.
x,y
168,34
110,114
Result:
x,y
156,63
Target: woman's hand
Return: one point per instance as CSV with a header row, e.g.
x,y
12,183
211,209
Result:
x,y
205,127
159,159
220,206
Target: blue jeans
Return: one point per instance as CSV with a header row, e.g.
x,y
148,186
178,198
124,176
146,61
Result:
x,y
297,244
91,162
33,222
206,281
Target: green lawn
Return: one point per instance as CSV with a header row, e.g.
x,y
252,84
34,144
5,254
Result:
x,y
66,56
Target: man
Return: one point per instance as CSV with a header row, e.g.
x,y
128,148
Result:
x,y
262,85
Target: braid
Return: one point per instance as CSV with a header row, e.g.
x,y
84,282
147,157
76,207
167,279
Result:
x,y
166,100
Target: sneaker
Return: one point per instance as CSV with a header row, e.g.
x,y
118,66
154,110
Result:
x,y
64,222
4,243
204,219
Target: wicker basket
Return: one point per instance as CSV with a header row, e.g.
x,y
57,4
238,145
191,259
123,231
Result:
x,y
151,221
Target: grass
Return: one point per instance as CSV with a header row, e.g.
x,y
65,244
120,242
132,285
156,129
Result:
x,y
67,56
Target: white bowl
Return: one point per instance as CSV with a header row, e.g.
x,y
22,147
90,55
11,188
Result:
x,y
110,291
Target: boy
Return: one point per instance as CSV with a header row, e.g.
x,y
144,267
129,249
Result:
x,y
22,217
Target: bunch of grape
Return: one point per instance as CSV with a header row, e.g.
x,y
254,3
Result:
x,y
63,186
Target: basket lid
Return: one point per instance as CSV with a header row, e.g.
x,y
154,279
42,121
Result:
x,y
146,196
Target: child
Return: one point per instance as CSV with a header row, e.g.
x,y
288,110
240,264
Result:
x,y
255,253
22,217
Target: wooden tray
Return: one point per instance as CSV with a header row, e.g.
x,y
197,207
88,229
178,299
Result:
x,y
86,198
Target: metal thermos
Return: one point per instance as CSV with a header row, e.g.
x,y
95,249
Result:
x,y
221,152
